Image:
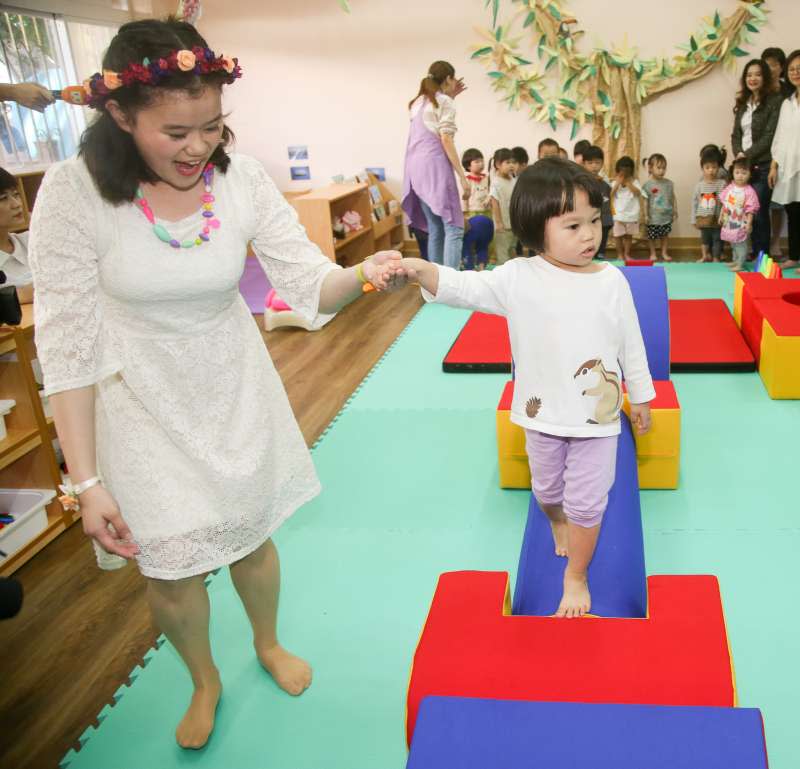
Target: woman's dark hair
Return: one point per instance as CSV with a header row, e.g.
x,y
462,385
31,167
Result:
x,y
110,153
743,95
545,190
593,152
470,155
581,147
777,54
7,181
520,155
625,163
739,163
789,59
655,159
713,154
504,153
438,72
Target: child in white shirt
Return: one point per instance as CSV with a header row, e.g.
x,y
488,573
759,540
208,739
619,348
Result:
x,y
626,198
500,191
574,330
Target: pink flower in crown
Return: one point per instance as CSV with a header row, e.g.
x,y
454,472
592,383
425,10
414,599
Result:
x,y
186,60
163,63
228,64
111,80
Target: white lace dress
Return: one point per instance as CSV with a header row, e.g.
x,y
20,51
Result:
x,y
195,436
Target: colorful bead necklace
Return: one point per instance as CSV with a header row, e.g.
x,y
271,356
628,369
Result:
x,y
211,222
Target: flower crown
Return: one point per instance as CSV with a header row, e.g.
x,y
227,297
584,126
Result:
x,y
198,60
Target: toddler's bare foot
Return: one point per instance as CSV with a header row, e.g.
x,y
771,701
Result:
x,y
291,673
666,257
198,722
576,600
560,536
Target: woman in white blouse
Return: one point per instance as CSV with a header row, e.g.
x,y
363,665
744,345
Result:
x,y
784,174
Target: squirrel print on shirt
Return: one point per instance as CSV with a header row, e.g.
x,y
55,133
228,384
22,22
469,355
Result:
x,y
607,387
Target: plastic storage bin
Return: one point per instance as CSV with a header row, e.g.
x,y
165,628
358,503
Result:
x,y
30,517
5,410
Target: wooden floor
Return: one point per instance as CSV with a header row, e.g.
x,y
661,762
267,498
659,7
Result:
x,y
82,630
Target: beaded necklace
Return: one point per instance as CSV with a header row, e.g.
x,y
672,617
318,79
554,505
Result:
x,y
211,222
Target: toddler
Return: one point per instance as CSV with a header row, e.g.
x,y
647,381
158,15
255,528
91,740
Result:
x,y
501,187
626,198
662,207
593,159
706,203
739,205
574,330
477,204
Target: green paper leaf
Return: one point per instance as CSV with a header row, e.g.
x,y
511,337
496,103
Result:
x,y
712,35
481,52
529,19
568,103
554,11
739,52
616,131
520,60
550,62
717,20
568,82
536,95
751,27
345,6
496,75
756,12
603,96
692,43
495,9
574,132
498,33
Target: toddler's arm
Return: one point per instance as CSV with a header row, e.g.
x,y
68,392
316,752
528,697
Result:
x,y
484,291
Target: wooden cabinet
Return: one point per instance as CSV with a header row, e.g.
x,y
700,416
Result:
x,y
27,458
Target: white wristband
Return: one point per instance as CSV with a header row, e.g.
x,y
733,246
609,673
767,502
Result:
x,y
85,486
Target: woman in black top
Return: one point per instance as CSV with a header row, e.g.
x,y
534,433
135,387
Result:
x,y
755,119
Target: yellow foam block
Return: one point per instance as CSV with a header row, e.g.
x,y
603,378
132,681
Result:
x,y
512,458
738,290
780,363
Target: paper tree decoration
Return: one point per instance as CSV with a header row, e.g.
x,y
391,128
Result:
x,y
606,88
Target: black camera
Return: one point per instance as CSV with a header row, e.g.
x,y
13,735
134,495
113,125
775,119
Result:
x,y
10,310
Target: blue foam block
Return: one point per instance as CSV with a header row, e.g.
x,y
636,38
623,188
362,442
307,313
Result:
x,y
478,733
649,289
617,578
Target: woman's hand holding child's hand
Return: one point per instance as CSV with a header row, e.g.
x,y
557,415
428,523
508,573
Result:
x,y
640,417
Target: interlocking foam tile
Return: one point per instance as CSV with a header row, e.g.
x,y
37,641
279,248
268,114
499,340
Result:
x,y
471,647
705,337
616,574
479,733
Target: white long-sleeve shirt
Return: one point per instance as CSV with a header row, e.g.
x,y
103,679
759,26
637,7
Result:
x,y
573,334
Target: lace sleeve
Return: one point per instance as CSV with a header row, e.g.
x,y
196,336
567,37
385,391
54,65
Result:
x,y
62,251
294,265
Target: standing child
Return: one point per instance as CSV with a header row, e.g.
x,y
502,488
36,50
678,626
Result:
x,y
477,204
548,148
662,206
706,204
501,187
593,158
626,197
739,203
579,151
574,330
519,160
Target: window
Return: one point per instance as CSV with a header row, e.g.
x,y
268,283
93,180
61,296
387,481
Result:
x,y
54,52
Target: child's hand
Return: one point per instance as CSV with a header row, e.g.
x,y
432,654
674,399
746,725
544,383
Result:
x,y
498,227
640,417
382,269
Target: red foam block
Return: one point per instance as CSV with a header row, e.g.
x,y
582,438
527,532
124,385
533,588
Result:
x,y
482,345
678,655
704,336
638,263
785,314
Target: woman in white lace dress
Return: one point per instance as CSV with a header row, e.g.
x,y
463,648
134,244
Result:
x,y
158,375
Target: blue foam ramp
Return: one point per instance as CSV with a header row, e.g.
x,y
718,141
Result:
x,y
479,733
649,289
617,578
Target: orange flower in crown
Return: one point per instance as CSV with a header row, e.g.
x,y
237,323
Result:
x,y
111,80
186,60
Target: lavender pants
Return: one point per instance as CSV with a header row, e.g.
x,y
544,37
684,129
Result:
x,y
574,472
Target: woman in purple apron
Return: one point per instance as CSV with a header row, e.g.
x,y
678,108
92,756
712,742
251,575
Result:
x,y
430,195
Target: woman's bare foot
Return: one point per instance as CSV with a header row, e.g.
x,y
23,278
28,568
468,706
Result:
x,y
576,600
291,673
560,536
197,724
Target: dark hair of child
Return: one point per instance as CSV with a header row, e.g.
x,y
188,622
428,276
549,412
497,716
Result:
x,y
470,155
625,165
545,190
713,154
547,143
504,153
519,155
593,152
656,159
740,163
581,147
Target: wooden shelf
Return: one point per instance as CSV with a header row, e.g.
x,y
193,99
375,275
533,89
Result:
x,y
387,225
344,242
16,444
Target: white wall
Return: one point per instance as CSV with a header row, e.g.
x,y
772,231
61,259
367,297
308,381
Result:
x,y
340,83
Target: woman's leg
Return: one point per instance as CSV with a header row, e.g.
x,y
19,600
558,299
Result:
x,y
435,234
257,579
793,221
776,224
453,240
761,220
181,610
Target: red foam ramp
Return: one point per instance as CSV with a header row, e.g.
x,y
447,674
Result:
x,y
638,263
472,647
482,345
704,337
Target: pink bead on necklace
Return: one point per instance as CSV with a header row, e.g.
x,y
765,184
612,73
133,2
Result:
x,y
211,221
